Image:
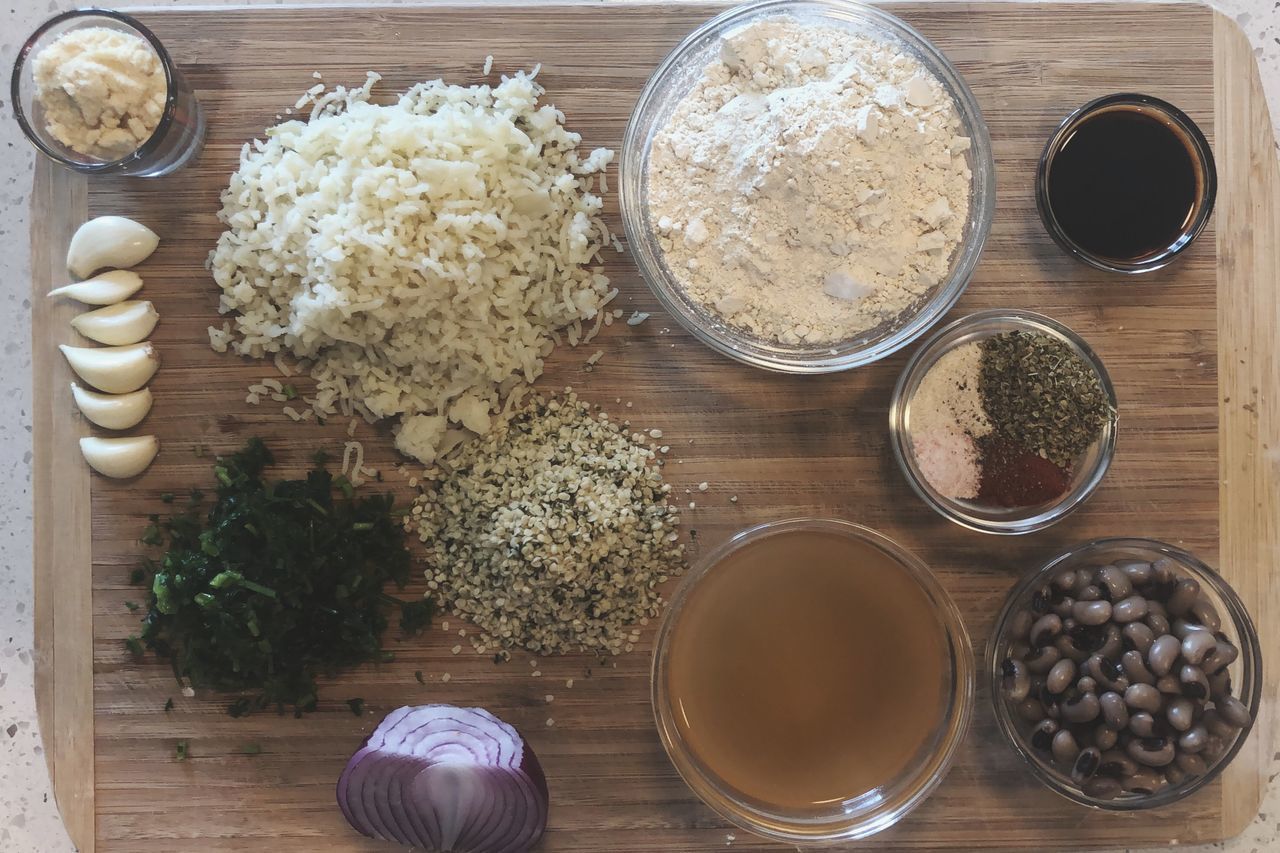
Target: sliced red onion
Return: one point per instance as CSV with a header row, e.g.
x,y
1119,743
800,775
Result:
x,y
446,780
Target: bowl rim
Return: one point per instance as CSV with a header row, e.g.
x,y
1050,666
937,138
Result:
x,y
152,142
927,355
1246,639
1200,150
720,336
881,812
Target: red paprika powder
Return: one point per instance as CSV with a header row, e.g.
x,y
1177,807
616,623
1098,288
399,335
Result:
x,y
1013,476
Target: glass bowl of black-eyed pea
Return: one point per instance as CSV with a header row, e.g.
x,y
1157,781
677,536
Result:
x,y
1126,673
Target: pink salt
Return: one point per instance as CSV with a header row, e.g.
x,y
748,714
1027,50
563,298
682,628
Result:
x,y
948,460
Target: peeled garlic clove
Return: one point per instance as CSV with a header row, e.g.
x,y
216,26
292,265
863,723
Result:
x,y
113,411
120,458
109,241
115,370
119,324
106,289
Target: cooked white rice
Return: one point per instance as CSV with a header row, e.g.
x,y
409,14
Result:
x,y
418,255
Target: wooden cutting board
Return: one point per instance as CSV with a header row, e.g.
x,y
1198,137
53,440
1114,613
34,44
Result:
x,y
1192,351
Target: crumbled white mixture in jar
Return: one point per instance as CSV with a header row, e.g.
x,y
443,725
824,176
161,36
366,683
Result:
x,y
813,183
103,91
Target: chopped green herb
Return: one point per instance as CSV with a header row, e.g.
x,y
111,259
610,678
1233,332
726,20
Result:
x,y
134,645
290,392
166,497
132,605
278,583
168,704
1040,394
415,616
417,673
137,576
356,705
182,748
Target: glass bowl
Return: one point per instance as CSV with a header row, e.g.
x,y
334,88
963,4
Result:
x,y
1206,183
1245,672
177,138
879,808
677,76
1086,474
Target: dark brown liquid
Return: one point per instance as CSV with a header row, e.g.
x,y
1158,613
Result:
x,y
1124,185
808,669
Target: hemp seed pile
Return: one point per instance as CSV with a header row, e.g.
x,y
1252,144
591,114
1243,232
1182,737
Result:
x,y
551,533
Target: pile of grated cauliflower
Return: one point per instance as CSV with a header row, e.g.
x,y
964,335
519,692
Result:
x,y
417,258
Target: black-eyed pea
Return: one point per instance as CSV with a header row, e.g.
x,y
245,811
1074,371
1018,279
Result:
x,y
1142,724
1137,571
1045,629
1152,751
1143,697
1234,712
1114,711
1042,735
1136,669
1194,739
1042,660
1206,614
1086,764
1163,654
1129,609
1169,685
1181,714
1196,645
1061,676
1091,612
1195,684
1184,595
1064,748
1102,787
1138,635
1191,764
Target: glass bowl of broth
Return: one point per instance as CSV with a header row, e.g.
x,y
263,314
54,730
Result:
x,y
812,681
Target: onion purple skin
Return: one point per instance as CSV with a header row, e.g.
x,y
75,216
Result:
x,y
446,780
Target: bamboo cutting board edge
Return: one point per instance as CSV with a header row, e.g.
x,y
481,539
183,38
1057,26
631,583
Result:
x,y
1250,435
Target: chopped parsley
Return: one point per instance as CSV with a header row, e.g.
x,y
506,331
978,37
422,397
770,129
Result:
x,y
277,584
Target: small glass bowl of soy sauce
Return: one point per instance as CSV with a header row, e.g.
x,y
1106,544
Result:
x,y
1126,183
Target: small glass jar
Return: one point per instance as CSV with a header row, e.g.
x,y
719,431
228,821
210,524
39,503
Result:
x,y
1086,474
177,138
1197,148
879,808
1245,671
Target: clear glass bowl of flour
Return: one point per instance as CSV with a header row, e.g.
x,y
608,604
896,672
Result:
x,y
680,73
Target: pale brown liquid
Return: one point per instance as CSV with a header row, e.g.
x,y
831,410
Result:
x,y
807,669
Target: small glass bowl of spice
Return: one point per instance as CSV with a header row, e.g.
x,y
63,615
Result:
x,y
1126,673
1004,421
96,91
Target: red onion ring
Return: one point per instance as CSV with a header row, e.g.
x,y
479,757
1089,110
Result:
x,y
446,780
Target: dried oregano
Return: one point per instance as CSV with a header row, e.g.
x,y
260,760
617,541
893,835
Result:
x,y
1039,393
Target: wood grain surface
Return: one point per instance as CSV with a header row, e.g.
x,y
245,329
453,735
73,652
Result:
x,y
1192,351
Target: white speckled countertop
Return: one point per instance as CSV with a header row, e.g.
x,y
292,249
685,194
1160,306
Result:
x,y
28,818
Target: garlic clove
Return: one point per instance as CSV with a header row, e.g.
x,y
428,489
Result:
x,y
109,241
106,289
119,324
115,370
113,411
120,458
